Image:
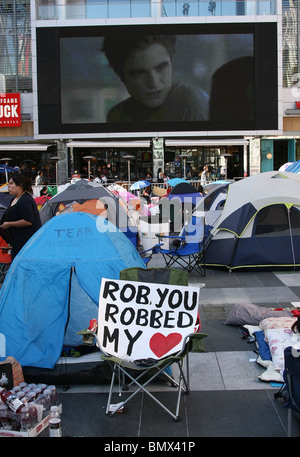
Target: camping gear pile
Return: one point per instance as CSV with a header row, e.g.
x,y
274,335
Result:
x,y
255,223
25,409
272,330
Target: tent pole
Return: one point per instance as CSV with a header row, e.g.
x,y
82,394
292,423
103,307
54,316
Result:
x,y
291,236
69,298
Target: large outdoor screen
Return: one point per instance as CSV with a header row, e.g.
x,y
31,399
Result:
x,y
157,78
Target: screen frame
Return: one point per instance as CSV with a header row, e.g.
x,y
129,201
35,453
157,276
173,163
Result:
x,y
266,96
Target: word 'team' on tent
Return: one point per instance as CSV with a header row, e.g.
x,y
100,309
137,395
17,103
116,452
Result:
x,y
145,320
52,288
260,224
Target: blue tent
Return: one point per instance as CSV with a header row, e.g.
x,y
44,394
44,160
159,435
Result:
x,y
52,288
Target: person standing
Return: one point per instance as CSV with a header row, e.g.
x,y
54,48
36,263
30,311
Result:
x,y
39,178
160,175
21,219
204,175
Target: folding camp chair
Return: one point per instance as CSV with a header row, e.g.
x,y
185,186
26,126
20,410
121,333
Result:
x,y
291,376
154,250
142,372
188,249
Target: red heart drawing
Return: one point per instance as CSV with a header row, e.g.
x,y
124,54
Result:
x,y
161,345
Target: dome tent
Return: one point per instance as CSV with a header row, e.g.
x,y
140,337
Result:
x,y
259,225
83,191
39,299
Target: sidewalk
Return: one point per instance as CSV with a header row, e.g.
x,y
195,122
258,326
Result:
x,y
227,399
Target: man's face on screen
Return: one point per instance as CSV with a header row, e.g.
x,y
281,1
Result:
x,y
147,75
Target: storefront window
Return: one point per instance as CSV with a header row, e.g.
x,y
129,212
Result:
x,y
111,163
30,163
213,156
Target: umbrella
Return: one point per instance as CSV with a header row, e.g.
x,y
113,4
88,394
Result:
x,y
140,185
285,166
185,192
216,185
183,188
174,181
294,167
6,168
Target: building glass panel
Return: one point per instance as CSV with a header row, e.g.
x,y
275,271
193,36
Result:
x,y
15,46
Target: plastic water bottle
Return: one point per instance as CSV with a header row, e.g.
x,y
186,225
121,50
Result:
x,y
44,399
25,419
6,422
53,391
55,423
9,398
42,386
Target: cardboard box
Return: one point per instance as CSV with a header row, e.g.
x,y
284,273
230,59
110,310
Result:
x,y
35,431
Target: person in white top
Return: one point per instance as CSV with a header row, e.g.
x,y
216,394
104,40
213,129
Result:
x,y
204,175
39,178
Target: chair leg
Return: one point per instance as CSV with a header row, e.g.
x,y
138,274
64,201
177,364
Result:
x,y
111,389
187,371
142,387
289,422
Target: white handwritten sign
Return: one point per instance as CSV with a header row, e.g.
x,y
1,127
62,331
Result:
x,y
140,321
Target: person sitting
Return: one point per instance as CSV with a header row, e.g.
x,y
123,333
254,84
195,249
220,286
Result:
x,y
44,191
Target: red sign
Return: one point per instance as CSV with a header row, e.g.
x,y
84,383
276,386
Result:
x,y
10,110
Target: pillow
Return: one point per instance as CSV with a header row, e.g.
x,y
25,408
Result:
x,y
277,322
279,339
263,347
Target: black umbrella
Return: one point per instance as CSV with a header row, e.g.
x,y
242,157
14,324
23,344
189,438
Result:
x,y
183,188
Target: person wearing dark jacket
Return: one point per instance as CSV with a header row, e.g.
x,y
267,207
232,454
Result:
x,y
21,219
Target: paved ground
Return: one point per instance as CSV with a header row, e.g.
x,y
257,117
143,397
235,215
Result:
x,y
227,399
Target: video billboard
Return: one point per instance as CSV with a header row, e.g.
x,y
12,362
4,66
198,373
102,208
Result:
x,y
157,78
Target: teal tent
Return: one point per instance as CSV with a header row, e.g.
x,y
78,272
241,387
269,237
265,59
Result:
x,y
52,288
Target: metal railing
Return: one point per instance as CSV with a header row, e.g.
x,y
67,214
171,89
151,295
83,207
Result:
x,y
149,8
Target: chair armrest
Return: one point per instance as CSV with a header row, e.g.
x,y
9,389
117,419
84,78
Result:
x,y
176,241
170,236
88,337
155,249
197,342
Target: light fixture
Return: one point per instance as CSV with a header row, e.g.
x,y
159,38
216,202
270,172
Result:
x,y
128,157
89,158
56,159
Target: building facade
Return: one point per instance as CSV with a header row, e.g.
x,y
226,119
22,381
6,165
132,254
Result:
x,y
77,146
